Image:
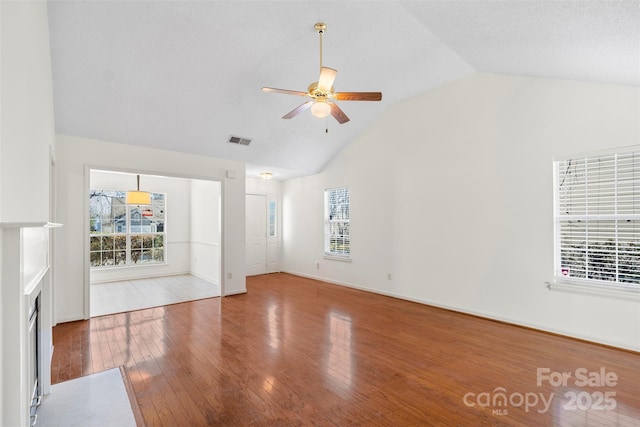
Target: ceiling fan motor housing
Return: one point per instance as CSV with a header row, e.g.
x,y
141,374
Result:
x,y
317,94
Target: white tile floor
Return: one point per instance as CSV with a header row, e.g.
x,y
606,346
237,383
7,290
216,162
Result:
x,y
129,295
98,400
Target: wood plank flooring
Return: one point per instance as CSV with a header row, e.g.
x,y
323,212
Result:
x,y
294,351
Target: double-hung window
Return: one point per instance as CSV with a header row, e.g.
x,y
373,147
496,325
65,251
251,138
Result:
x,y
597,220
123,235
337,238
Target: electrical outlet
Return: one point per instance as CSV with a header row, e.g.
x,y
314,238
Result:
x,y
317,265
229,275
388,276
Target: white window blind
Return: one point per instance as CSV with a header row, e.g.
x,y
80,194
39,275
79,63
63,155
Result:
x,y
337,239
597,202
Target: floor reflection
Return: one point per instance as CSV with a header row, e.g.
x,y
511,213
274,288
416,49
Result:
x,y
340,360
268,382
592,406
131,326
272,325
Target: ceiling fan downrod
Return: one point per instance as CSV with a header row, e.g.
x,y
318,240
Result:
x,y
320,28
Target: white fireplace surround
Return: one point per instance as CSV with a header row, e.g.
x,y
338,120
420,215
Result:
x,y
26,273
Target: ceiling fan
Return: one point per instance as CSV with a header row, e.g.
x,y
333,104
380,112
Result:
x,y
322,94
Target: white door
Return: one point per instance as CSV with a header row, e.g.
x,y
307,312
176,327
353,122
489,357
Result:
x,y
256,232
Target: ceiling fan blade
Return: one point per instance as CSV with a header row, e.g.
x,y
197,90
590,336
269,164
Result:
x,y
338,114
327,77
299,109
358,96
284,91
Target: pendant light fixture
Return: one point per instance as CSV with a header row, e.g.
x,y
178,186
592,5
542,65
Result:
x,y
138,197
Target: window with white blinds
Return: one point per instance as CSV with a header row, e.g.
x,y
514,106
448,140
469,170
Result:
x,y
337,238
597,220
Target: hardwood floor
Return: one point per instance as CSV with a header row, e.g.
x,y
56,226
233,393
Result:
x,y
294,351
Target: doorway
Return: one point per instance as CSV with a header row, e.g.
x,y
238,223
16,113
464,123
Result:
x,y
256,234
152,255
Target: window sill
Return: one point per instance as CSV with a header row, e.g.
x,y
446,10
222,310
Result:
x,y
594,289
337,258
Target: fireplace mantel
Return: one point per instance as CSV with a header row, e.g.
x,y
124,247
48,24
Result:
x,y
33,224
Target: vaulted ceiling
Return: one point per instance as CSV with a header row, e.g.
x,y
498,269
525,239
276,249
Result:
x,y
185,75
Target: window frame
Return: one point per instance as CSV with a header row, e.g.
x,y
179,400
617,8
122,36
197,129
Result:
x,y
328,235
128,235
615,236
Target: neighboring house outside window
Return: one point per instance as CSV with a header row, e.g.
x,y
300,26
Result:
x,y
597,220
122,235
337,241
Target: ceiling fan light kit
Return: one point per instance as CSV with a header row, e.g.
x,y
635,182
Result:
x,y
320,109
322,93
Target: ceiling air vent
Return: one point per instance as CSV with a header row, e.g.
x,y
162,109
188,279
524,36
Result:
x,y
238,140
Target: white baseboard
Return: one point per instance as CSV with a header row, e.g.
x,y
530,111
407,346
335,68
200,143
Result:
x,y
241,291
206,279
142,276
485,315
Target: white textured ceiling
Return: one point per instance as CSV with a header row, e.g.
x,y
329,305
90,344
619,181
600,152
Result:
x,y
184,75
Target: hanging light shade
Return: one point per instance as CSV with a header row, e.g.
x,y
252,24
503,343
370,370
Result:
x,y
138,197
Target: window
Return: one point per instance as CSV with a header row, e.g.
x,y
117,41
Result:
x,y
122,235
272,219
337,241
597,220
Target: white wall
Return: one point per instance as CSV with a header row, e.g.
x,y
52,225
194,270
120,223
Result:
x,y
26,135
74,153
273,190
205,230
452,195
178,230
27,129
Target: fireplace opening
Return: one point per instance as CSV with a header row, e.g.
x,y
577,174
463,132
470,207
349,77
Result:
x,y
35,354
